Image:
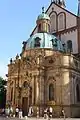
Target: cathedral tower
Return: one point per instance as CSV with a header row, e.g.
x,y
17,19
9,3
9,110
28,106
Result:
x,y
60,2
79,8
78,24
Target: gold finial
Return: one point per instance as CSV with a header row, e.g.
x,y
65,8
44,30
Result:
x,y
42,9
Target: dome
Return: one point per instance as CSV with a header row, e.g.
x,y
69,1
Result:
x,y
44,40
43,16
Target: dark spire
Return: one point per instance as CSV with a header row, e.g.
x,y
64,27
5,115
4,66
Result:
x,y
79,8
60,2
51,1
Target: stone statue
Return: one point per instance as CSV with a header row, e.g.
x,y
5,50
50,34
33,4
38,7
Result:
x,y
24,45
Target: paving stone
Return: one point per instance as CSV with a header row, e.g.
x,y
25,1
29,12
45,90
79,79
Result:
x,y
9,118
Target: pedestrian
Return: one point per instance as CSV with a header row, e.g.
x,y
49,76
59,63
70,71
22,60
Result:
x,y
37,112
45,113
30,113
17,111
7,111
48,113
20,114
51,110
63,113
11,111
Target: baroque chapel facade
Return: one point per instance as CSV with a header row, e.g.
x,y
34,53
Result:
x,y
47,72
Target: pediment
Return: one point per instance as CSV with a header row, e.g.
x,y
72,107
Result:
x,y
57,8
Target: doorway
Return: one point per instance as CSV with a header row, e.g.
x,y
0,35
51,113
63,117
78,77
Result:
x,y
25,106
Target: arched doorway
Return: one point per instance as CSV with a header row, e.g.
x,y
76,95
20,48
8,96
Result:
x,y
25,106
51,92
27,98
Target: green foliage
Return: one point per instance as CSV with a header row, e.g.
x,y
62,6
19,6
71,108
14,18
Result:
x,y
2,84
2,91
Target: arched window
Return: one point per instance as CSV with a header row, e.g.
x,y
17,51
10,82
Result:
x,y
51,92
54,42
37,42
69,46
53,22
78,93
61,21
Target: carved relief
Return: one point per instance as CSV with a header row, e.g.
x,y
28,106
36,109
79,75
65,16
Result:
x,y
49,61
25,92
50,79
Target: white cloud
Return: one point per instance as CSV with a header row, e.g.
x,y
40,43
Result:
x,y
3,69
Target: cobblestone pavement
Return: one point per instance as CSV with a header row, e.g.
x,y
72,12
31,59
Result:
x,y
4,118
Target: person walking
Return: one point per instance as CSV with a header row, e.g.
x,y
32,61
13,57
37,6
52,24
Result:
x,y
17,111
30,113
20,114
7,111
48,113
45,113
51,110
11,112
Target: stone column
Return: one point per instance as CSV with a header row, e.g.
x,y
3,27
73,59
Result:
x,y
41,90
37,90
8,92
13,91
41,93
33,90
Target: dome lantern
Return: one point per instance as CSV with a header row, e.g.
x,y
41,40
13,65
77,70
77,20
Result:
x,y
43,22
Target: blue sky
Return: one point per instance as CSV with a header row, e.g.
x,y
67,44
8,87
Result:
x,y
17,19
